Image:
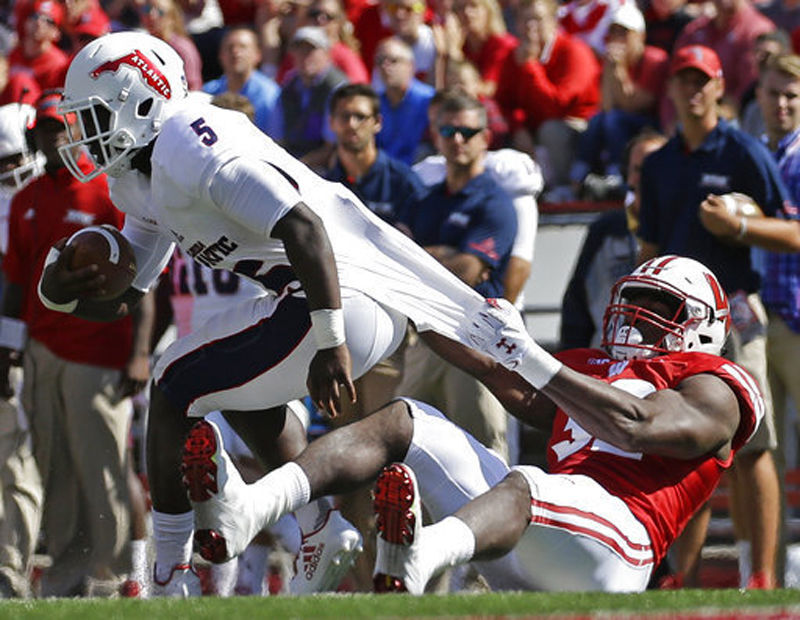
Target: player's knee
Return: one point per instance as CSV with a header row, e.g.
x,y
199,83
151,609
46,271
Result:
x,y
395,426
518,492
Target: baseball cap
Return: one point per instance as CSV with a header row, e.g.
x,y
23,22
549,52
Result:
x,y
628,16
697,57
47,106
312,34
48,8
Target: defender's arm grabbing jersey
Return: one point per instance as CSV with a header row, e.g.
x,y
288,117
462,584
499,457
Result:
x,y
663,493
195,199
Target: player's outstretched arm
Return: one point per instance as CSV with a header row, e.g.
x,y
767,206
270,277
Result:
x,y
68,290
309,250
699,417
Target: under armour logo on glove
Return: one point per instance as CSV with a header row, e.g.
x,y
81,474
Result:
x,y
497,330
509,347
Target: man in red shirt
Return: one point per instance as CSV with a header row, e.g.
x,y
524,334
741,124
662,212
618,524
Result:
x,y
731,32
77,375
549,87
37,50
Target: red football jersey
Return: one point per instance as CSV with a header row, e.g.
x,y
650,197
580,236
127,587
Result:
x,y
663,493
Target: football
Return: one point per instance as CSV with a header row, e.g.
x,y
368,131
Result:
x,y
741,205
105,247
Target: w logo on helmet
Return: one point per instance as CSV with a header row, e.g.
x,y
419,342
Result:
x,y
153,77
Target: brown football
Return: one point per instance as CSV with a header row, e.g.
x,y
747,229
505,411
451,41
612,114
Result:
x,y
105,247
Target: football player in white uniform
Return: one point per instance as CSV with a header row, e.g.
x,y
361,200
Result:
x,y
189,173
641,432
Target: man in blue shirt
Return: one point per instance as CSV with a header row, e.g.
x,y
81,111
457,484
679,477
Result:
x,y
469,224
778,95
404,102
239,56
682,212
386,185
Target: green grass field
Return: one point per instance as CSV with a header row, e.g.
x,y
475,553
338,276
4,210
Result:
x,y
728,603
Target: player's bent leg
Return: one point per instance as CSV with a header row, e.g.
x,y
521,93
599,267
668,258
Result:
x,y
499,517
274,435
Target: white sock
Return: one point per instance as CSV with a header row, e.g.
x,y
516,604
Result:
x,y
253,569
745,564
173,541
281,491
224,577
310,516
454,544
139,560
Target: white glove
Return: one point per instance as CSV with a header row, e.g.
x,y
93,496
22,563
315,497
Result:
x,y
497,330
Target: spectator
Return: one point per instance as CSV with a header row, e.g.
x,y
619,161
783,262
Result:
x,y
18,85
36,50
305,131
548,90
468,223
778,95
78,375
276,24
389,188
665,20
462,75
486,42
404,102
588,20
20,484
783,13
239,55
404,19
682,212
608,253
328,14
731,33
633,82
87,26
164,19
766,47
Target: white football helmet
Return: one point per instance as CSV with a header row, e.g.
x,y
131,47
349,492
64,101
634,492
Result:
x,y
18,163
121,87
700,316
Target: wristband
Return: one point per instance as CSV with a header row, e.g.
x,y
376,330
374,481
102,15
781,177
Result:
x,y
13,333
742,228
68,307
537,366
328,327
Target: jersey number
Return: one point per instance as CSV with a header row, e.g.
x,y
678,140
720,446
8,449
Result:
x,y
580,438
207,135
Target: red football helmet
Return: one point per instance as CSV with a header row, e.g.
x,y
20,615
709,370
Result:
x,y
698,317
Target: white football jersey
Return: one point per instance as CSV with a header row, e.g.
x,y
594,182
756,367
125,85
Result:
x,y
175,205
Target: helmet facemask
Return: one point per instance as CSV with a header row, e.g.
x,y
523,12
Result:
x,y
29,166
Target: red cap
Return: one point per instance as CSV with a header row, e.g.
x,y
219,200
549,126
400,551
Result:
x,y
93,22
47,106
49,8
697,57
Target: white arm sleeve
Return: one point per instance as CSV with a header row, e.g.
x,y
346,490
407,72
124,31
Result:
x,y
527,223
151,248
254,193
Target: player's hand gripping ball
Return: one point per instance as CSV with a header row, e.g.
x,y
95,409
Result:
x,y
105,247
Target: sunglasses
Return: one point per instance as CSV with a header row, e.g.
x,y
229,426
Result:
x,y
319,15
449,131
